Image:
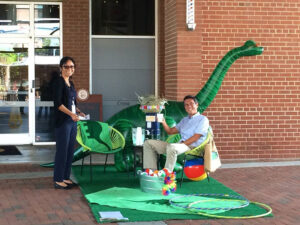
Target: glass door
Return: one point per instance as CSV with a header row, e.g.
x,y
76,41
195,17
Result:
x,y
15,92
47,44
16,56
29,56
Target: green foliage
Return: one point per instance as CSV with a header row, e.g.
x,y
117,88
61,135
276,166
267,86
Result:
x,y
9,58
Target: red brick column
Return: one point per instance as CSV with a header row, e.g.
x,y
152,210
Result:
x,y
161,48
183,49
76,38
170,34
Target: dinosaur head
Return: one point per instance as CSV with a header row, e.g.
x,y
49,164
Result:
x,y
250,48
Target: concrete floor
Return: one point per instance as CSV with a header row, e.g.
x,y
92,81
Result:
x,y
41,154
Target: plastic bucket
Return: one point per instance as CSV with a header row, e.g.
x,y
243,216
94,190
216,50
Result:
x,y
151,184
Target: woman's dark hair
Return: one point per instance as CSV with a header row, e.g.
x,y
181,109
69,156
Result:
x,y
191,97
65,59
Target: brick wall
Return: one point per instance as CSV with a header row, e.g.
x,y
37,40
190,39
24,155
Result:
x,y
161,47
256,113
170,49
76,38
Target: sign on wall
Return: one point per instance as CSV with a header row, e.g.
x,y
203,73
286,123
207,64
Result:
x,y
190,14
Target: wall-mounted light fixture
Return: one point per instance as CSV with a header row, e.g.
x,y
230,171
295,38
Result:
x,y
190,14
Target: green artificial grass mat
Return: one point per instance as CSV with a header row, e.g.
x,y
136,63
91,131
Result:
x,y
120,191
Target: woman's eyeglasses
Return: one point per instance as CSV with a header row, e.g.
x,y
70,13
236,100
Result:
x,y
68,67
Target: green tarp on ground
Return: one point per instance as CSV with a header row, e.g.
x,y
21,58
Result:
x,y
132,198
103,186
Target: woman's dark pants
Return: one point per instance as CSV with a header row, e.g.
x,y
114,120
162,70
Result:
x,y
65,143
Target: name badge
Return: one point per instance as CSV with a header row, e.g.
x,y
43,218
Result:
x,y
73,107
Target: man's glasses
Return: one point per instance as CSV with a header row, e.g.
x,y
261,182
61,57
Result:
x,y
68,67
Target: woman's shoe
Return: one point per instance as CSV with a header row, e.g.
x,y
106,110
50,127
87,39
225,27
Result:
x,y
72,184
57,186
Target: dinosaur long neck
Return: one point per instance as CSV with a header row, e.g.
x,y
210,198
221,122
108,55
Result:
x,y
211,87
206,95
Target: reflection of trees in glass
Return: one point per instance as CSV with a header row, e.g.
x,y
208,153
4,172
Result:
x,y
12,70
19,74
2,78
47,52
46,42
8,58
50,47
15,76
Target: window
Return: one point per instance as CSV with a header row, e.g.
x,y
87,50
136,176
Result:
x,y
123,17
46,20
14,19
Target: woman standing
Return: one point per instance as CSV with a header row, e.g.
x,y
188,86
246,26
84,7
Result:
x,y
65,108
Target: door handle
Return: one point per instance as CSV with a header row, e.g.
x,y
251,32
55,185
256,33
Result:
x,y
32,85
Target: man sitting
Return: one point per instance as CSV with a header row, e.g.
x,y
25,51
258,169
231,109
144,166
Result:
x,y
193,130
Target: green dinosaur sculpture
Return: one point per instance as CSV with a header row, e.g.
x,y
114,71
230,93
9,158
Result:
x,y
133,117
174,111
